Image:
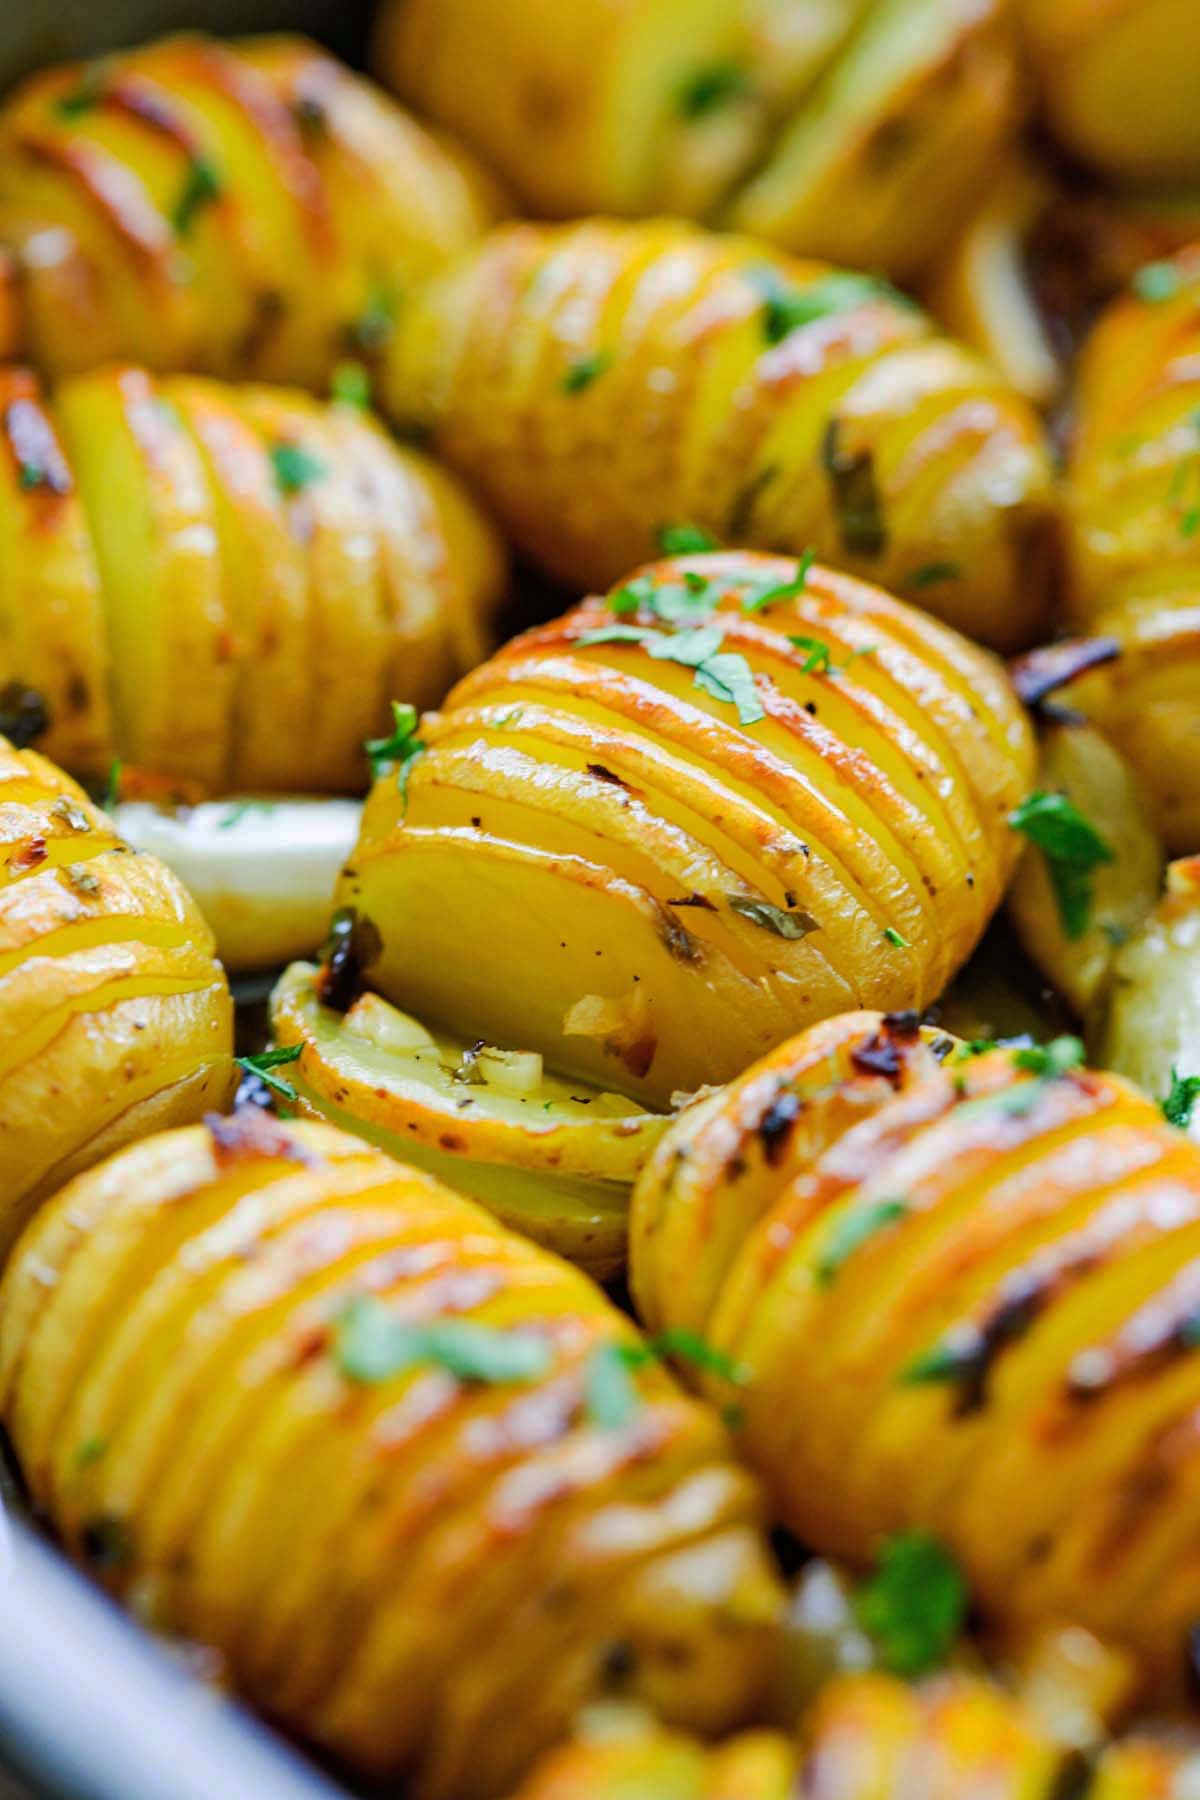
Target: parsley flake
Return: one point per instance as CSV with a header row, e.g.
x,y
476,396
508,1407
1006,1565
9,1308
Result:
x,y
729,677
793,925
400,750
266,1062
201,187
850,1231
1157,282
933,574
371,1346
685,540
1073,849
896,938
586,369
914,1605
1180,1103
787,308
709,89
351,386
758,599
1049,1060
295,468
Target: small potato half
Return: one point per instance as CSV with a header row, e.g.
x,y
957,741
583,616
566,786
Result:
x,y
551,1158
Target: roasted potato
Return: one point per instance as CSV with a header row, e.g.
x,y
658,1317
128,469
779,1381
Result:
x,y
1093,870
858,130
739,795
868,1737
251,209
1150,1029
960,1285
249,573
305,1405
1119,81
553,1159
599,381
891,147
115,1017
1134,509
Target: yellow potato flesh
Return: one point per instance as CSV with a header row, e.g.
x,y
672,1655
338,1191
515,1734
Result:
x,y
556,1163
193,1321
716,884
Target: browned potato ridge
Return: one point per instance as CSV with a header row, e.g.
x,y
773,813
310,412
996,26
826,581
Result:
x,y
599,381
225,584
607,856
115,1017
239,209
304,1405
963,1289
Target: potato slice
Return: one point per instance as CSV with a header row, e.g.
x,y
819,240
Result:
x,y
551,1158
1151,1027
1080,763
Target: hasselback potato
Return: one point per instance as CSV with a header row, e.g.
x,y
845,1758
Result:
x,y
858,131
961,1285
740,794
1134,509
1119,81
226,584
598,381
243,209
306,1406
869,1737
115,1018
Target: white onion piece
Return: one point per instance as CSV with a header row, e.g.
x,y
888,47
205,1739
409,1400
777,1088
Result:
x,y
387,1027
262,870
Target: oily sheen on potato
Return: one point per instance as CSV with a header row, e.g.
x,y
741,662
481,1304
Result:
x,y
311,1409
226,585
115,1017
1134,519
242,209
655,837
984,1261
597,381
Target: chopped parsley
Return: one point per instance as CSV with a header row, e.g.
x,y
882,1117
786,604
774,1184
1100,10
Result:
x,y
1180,1103
850,1231
112,791
914,1605
858,503
611,1397
726,675
351,386
896,938
708,89
1073,849
933,574
201,187
400,750
1049,1060
87,93
371,1345
787,308
90,1451
586,369
685,540
729,677
792,925
1157,282
771,593
819,660
295,468
265,1064
376,322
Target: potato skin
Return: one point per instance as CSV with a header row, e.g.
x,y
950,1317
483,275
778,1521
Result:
x,y
675,891
353,1547
984,1276
251,573
1133,495
598,381
1119,80
243,209
115,1018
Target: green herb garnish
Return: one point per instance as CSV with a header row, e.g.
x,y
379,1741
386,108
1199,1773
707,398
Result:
x,y
757,599
857,501
266,1062
611,1397
376,322
87,92
401,749
729,677
202,187
786,308
1157,282
1072,847
914,1605
112,791
1050,1060
896,938
586,369
708,89
351,386
792,925
685,540
295,468
933,574
372,1345
850,1231
1180,1103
